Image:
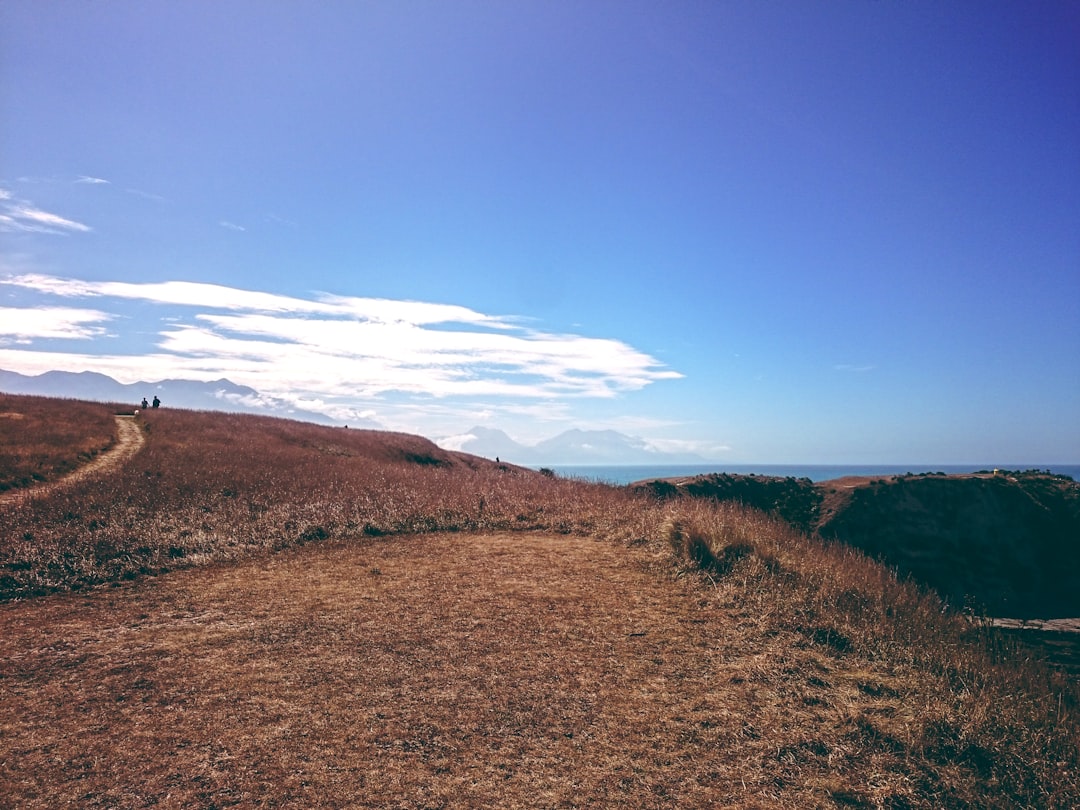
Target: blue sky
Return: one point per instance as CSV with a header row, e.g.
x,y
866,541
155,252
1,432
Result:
x,y
767,232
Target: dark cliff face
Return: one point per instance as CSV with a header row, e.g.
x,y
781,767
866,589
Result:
x,y
1006,544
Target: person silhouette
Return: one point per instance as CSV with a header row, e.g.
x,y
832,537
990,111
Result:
x,y
157,402
145,404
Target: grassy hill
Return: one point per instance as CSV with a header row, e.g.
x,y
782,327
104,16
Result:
x,y
43,438
258,612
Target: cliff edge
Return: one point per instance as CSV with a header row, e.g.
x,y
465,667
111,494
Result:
x,y
1004,543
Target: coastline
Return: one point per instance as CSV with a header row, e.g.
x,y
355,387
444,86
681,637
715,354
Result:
x,y
622,474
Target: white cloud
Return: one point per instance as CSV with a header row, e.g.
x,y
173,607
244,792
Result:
x,y
271,217
350,350
93,181
706,449
23,325
146,195
219,297
456,442
232,226
22,216
122,367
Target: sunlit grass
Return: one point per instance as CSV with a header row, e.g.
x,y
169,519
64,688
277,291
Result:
x,y
952,695
832,679
43,438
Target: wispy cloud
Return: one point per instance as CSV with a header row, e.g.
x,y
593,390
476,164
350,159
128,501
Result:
x,y
232,226
200,294
280,220
146,195
340,349
706,449
855,369
93,181
25,325
21,216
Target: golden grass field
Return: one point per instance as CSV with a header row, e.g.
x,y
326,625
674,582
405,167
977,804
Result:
x,y
257,613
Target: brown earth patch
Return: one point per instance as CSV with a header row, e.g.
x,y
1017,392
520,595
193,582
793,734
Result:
x,y
446,670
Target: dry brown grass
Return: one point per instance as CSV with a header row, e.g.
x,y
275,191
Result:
x,y
461,671
959,717
445,671
42,438
220,486
540,645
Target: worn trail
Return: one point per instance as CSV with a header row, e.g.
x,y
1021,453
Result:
x,y
129,441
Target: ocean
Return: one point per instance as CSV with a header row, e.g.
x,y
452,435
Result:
x,y
625,474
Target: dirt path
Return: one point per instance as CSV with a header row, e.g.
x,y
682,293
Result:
x,y
502,671
129,440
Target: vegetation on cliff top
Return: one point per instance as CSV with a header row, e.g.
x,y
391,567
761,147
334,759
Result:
x,y
794,500
1001,543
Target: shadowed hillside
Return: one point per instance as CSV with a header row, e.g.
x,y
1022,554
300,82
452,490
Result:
x,y
794,500
1005,544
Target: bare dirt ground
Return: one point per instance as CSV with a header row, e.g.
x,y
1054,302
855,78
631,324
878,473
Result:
x,y
1054,625
445,670
129,441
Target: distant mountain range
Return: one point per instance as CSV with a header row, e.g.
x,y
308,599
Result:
x,y
218,395
568,448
